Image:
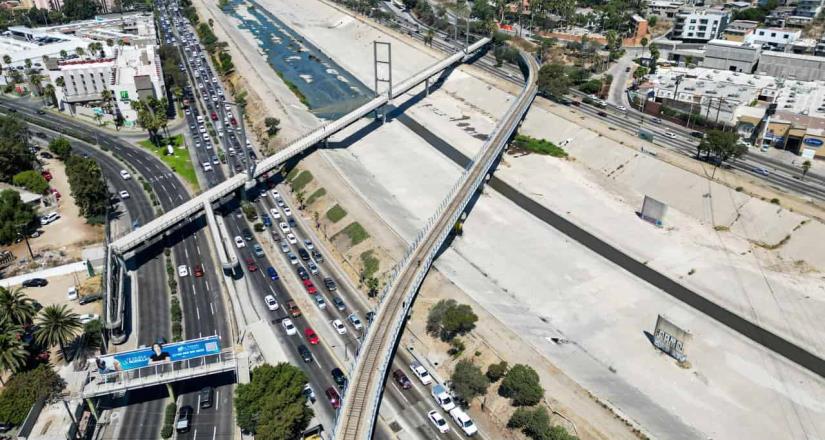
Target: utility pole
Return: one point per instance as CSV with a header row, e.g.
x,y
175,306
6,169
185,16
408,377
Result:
x,y
21,231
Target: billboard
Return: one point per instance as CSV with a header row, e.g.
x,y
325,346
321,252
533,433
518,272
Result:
x,y
158,354
653,211
670,338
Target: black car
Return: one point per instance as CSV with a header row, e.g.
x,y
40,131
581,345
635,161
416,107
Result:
x,y
292,223
35,282
329,283
247,234
90,298
303,254
339,377
302,272
697,134
339,303
317,256
306,355
206,395
184,419
370,316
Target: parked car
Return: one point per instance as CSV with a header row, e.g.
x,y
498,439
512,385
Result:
x,y
71,293
463,421
90,298
35,282
442,397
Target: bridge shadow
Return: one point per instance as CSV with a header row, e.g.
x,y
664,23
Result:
x,y
160,392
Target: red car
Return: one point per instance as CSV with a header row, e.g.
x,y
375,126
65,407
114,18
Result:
x,y
233,121
198,271
334,398
311,336
46,175
214,116
55,192
250,265
310,287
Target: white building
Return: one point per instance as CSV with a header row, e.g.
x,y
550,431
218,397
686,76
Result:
x,y
700,25
774,38
134,73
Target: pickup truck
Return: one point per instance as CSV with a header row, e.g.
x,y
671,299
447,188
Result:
x,y
421,373
442,397
463,421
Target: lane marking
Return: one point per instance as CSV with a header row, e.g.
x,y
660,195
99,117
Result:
x,y
206,283
198,312
211,308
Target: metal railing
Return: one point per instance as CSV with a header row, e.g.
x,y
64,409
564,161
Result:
x,y
194,205
97,383
361,400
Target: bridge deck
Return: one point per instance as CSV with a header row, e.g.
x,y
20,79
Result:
x,y
362,398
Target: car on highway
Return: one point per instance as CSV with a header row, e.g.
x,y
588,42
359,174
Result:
x,y
284,227
302,273
670,134
123,195
292,240
339,377
339,326
125,175
311,336
320,302
421,373
438,421
463,421
602,114
309,393
289,327
761,171
621,108
310,287
205,397
275,214
308,244
294,310
284,247
273,274
697,134
258,250
198,271
35,282
183,271
302,252
271,304
329,283
184,423
250,264
401,379
275,194
293,259
317,256
287,211
355,321
306,355
207,166
239,242
333,397
656,120
247,234
313,268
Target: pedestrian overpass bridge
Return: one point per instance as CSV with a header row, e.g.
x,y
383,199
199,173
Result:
x,y
362,398
185,211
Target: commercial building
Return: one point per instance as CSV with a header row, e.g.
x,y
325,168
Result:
x,y
793,66
738,30
802,134
732,56
774,38
699,25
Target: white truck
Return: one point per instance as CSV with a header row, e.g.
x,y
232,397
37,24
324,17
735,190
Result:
x,y
442,397
463,421
421,373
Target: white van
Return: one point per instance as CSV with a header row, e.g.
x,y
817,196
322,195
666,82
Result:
x,y
463,421
49,218
125,175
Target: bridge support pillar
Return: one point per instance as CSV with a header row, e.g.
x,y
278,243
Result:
x,y
427,87
171,391
92,408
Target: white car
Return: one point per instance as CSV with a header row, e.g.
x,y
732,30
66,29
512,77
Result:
x,y
621,108
438,421
183,270
289,327
284,247
670,134
125,175
339,327
463,421
421,373
207,166
284,227
291,238
292,258
71,294
355,321
275,194
275,214
308,244
88,317
321,302
287,211
239,242
270,302
123,195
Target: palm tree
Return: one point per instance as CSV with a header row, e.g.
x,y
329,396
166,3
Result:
x,y
107,100
15,306
644,42
13,353
57,326
7,62
50,94
35,79
428,37
805,167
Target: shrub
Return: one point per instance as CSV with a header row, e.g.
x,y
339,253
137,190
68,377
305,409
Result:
x,y
535,424
272,405
336,213
168,421
259,227
24,389
370,264
521,384
320,192
456,347
60,147
538,146
31,180
300,181
496,371
355,232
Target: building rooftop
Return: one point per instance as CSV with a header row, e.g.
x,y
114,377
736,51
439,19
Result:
x,y
742,25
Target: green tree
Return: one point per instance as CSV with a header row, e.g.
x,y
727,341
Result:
x,y
88,187
57,325
553,80
272,126
15,217
521,384
639,73
535,424
723,145
806,166
61,147
15,307
15,155
436,315
428,37
468,381
458,320
13,353
372,284
272,406
654,59
26,388
644,42
31,180
496,371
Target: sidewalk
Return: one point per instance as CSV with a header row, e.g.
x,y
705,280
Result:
x,y
79,266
